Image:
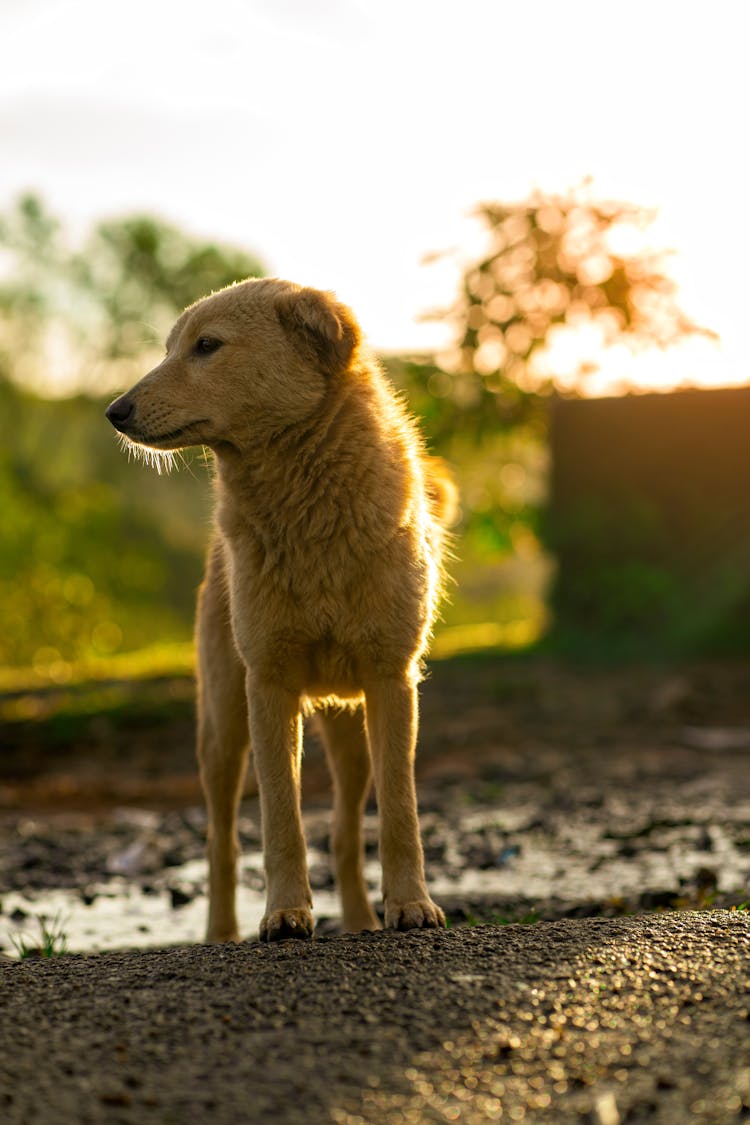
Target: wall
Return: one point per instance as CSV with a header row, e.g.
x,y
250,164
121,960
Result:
x,y
649,518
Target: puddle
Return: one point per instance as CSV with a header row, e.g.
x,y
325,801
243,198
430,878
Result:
x,y
119,914
138,879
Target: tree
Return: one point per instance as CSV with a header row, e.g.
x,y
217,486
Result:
x,y
554,264
97,555
144,272
93,312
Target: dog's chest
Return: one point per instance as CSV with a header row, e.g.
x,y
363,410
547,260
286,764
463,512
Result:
x,y
321,638
324,618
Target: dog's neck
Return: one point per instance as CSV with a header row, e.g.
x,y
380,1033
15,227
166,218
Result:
x,y
341,467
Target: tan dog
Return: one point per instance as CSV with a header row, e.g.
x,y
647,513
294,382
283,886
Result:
x,y
321,587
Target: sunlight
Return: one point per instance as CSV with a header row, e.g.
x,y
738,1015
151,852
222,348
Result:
x,y
511,635
577,362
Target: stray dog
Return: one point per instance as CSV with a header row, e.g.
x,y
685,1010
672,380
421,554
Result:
x,y
321,588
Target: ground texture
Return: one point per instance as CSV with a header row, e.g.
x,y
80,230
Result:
x,y
607,810
637,1019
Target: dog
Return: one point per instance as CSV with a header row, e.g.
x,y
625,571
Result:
x,y
321,588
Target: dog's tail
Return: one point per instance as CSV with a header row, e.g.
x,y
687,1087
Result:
x,y
442,491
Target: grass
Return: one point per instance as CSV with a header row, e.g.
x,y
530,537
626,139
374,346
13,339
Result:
x,y
154,682
178,658
512,636
168,659
106,684
530,918
52,940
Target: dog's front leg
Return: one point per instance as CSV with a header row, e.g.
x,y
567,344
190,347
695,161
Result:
x,y
276,736
391,707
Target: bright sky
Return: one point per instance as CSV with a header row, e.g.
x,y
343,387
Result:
x,y
342,140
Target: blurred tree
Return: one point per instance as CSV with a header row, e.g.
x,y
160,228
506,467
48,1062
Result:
x,y
145,271
96,555
73,319
554,264
562,276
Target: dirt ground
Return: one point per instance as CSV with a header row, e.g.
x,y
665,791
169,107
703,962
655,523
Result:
x,y
632,1020
608,810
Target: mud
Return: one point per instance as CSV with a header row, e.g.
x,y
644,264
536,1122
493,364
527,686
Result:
x,y
544,793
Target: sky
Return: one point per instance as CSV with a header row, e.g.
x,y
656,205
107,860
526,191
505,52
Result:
x,y
344,140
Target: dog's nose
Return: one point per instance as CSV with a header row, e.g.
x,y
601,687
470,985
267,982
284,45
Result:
x,y
120,411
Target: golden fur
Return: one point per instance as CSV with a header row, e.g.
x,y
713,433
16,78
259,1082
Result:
x,y
321,586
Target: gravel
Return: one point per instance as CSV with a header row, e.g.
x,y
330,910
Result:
x,y
572,802
606,1021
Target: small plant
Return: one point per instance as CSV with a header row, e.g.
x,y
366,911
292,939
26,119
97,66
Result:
x,y
52,941
468,918
530,918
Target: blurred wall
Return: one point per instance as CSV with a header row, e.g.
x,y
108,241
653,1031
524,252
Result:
x,y
649,518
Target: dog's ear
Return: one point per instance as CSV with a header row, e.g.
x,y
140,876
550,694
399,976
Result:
x,y
323,330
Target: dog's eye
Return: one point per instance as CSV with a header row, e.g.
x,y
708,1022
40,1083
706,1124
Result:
x,y
206,345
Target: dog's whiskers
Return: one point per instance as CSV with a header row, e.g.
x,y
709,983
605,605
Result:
x,y
163,460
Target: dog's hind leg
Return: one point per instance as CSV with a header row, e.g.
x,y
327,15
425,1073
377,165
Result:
x,y
345,741
223,743
392,732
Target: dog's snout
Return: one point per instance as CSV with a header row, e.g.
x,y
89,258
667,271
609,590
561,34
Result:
x,y
121,411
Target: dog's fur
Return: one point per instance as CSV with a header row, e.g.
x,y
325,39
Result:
x,y
321,587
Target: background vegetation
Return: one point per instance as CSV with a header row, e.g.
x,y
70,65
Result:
x,y
100,557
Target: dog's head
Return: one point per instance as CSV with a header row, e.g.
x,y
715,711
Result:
x,y
242,364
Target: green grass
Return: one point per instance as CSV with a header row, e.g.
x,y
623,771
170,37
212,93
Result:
x,y
167,659
530,918
108,684
51,942
177,658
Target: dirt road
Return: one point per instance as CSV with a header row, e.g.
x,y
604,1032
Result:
x,y
546,793
606,1021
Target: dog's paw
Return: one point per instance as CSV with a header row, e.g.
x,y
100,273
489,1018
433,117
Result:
x,y
421,914
355,921
215,936
281,924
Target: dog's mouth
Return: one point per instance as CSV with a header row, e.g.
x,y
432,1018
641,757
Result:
x,y
170,439
172,436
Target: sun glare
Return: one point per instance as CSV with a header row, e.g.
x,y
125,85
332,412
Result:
x,y
577,362
81,129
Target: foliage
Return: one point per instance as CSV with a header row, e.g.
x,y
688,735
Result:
x,y
502,471
563,278
97,554
628,585
554,265
144,272
101,557
92,317
52,940
500,568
